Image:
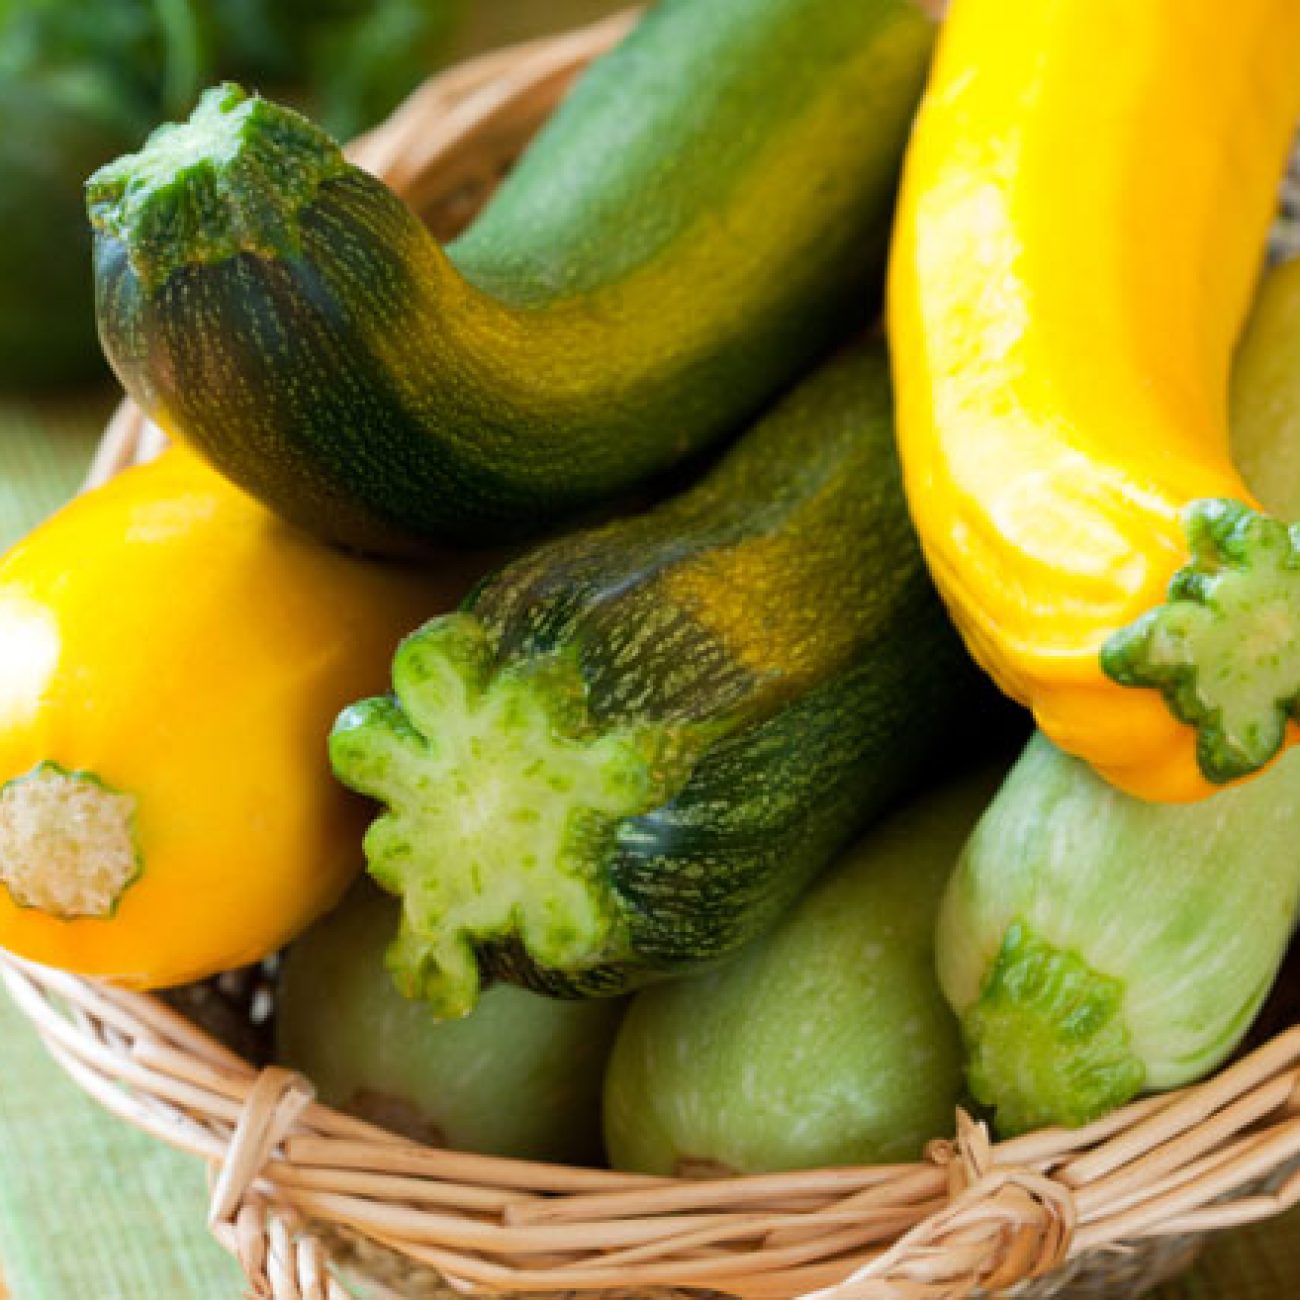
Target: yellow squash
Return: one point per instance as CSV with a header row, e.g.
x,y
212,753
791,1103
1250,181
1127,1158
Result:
x,y
171,659
1084,210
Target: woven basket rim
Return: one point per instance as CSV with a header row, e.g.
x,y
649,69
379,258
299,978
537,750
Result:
x,y
974,1216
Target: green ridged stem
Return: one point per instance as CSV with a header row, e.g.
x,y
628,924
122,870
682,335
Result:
x,y
1224,651
1046,1040
233,179
503,801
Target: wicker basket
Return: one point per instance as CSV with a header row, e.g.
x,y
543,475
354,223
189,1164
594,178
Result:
x,y
316,1204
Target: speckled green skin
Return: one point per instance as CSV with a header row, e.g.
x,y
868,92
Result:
x,y
698,223
775,629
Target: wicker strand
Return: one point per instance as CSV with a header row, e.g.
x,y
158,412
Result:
x,y
304,1196
275,1103
1001,1227
281,1260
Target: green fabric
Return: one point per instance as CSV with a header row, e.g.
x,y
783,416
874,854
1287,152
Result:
x,y
88,1206
45,446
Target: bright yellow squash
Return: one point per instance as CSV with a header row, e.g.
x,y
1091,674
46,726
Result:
x,y
171,659
1084,211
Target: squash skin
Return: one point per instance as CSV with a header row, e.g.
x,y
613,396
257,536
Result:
x,y
520,1078
679,718
698,224
170,636
1095,944
826,1042
1060,416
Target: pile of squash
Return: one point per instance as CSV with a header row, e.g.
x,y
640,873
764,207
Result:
x,y
614,589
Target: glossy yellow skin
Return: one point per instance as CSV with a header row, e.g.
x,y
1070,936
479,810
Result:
x,y
1084,210
169,635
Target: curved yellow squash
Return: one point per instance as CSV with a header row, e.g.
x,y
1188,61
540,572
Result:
x,y
171,660
1084,211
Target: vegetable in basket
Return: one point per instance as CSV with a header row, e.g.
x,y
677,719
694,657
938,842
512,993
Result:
x,y
1084,210
631,749
827,1042
695,227
1095,945
171,656
520,1077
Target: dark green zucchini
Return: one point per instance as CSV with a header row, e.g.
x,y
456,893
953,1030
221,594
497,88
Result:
x,y
693,229
631,749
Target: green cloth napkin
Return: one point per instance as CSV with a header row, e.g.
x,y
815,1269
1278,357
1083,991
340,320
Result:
x,y
90,1209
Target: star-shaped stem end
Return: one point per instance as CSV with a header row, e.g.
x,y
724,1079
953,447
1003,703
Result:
x,y
1224,650
1047,1041
504,800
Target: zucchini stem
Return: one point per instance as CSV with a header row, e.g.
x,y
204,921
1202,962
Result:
x,y
233,179
1046,1039
67,843
1222,650
504,800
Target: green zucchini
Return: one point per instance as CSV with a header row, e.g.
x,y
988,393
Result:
x,y
630,750
827,1042
521,1077
1096,946
694,228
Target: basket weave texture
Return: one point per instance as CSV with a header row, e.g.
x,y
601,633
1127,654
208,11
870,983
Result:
x,y
317,1205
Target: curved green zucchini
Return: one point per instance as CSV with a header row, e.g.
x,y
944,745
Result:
x,y
827,1042
694,228
632,749
521,1077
